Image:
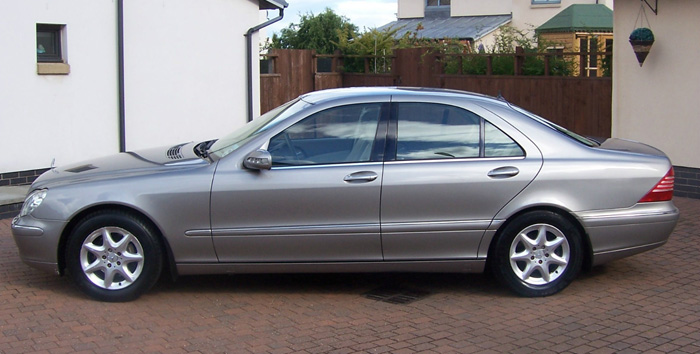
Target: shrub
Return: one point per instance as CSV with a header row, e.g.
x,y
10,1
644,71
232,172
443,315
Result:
x,y
642,34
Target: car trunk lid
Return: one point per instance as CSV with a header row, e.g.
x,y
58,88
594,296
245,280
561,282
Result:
x,y
630,146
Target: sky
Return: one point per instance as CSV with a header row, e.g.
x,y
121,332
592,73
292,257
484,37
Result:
x,y
362,13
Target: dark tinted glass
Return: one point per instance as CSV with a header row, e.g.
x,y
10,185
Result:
x,y
337,135
434,131
498,144
48,43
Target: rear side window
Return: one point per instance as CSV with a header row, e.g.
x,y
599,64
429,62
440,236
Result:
x,y
498,144
428,131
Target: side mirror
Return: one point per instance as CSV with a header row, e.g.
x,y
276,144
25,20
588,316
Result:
x,y
258,160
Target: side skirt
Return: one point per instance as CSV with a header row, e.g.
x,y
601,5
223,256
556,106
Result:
x,y
462,266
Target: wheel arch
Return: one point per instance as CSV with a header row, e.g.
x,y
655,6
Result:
x,y
585,241
76,219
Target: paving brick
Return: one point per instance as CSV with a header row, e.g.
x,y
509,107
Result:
x,y
646,303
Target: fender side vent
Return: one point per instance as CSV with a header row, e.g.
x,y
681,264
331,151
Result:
x,y
175,152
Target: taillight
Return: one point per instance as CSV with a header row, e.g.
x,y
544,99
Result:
x,y
663,190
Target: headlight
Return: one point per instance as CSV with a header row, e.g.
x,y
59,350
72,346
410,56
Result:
x,y
33,201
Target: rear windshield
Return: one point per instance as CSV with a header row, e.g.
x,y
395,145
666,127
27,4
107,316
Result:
x,y
579,138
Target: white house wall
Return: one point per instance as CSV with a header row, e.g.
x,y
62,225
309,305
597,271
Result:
x,y
66,117
185,76
411,8
480,7
186,69
657,103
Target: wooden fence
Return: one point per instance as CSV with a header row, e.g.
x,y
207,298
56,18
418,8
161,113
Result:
x,y
583,104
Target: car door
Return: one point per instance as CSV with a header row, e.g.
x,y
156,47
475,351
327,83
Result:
x,y
320,200
448,172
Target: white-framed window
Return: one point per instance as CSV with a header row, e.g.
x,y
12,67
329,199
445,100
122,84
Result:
x,y
438,3
540,2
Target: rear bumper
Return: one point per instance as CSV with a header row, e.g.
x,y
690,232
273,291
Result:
x,y
621,233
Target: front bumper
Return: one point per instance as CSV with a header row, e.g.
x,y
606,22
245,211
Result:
x,y
621,233
37,241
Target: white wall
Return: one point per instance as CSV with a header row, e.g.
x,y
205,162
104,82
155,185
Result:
x,y
411,8
481,7
186,69
657,103
185,63
67,117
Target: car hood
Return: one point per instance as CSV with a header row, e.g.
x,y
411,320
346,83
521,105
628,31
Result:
x,y
630,146
122,165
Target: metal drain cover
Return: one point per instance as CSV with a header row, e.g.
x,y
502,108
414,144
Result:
x,y
395,294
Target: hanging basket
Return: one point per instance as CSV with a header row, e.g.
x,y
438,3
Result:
x,y
641,40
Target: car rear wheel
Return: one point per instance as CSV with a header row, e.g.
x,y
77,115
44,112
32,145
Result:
x,y
537,254
113,256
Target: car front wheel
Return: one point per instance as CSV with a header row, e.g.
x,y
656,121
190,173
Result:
x,y
113,256
538,254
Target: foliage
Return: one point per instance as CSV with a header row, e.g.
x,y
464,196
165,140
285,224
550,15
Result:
x,y
501,55
642,34
319,32
372,42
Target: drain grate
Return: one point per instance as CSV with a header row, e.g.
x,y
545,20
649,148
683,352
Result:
x,y
395,295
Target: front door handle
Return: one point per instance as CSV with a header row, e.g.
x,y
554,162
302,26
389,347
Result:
x,y
504,172
359,177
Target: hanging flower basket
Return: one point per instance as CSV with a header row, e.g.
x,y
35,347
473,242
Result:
x,y
641,40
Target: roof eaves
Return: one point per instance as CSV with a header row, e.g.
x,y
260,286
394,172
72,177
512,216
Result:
x,y
273,4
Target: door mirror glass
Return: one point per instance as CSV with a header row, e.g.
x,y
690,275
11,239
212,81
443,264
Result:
x,y
258,160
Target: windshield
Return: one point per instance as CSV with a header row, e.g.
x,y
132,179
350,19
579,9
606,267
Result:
x,y
236,139
581,139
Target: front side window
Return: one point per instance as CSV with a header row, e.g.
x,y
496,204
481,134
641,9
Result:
x,y
427,131
538,2
342,134
238,138
48,43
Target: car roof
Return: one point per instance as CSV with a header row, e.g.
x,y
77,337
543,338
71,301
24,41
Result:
x,y
340,93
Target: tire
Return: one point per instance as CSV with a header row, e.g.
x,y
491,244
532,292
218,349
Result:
x,y
113,256
537,254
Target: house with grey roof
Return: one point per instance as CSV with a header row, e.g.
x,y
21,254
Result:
x,y
476,21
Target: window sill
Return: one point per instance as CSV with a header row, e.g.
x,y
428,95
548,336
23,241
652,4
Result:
x,y
52,69
544,6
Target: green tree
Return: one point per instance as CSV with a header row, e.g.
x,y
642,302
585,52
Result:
x,y
372,42
319,32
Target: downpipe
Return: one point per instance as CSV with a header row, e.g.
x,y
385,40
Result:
x,y
249,60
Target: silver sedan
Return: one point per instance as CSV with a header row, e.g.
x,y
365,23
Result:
x,y
355,180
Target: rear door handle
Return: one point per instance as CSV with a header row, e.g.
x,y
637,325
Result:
x,y
359,177
504,172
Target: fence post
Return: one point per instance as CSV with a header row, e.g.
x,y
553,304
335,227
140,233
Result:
x,y
518,70
546,64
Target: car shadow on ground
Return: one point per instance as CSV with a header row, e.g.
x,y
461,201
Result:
x,y
343,283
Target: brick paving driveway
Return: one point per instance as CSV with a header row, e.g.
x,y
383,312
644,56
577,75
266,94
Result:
x,y
646,303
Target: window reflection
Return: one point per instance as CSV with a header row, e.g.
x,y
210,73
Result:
x,y
433,131
498,144
337,135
